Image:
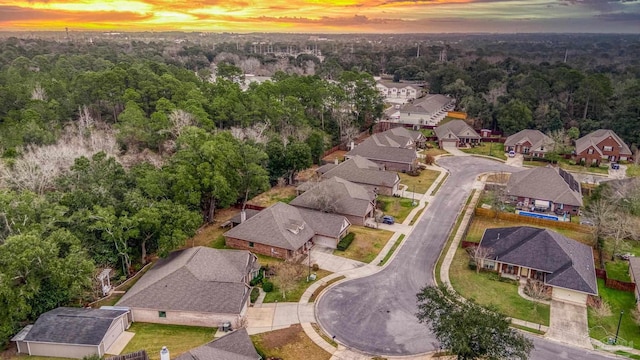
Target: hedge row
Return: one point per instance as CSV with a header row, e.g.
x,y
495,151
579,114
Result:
x,y
346,241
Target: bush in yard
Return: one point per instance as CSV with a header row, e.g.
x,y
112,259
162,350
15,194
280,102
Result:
x,y
255,293
429,159
256,280
346,241
267,286
315,267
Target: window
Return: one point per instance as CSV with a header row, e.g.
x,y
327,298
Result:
x,y
489,265
590,151
607,148
162,314
251,244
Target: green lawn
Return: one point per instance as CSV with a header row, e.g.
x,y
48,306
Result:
x,y
434,150
605,327
633,170
567,165
618,270
421,183
490,149
399,208
486,289
177,338
367,244
295,294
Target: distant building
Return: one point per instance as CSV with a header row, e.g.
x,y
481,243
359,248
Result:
x,y
427,110
398,90
394,149
529,142
601,145
456,132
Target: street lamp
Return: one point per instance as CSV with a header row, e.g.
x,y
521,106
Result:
x,y
618,330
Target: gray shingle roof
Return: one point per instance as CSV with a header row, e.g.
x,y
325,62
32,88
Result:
x,y
347,198
568,263
234,346
594,138
398,85
546,183
324,223
458,128
360,170
198,279
428,105
236,219
373,150
78,326
271,227
536,138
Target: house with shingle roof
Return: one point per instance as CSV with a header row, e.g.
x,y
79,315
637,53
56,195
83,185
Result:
x,y
529,142
233,346
601,145
427,110
339,196
634,274
546,189
72,332
198,286
285,231
525,252
364,172
393,149
456,132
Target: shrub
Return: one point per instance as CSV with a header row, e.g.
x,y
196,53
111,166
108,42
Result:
x,y
429,159
315,267
267,286
255,293
257,280
346,241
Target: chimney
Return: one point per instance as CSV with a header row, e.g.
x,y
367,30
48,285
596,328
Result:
x,y
164,354
243,216
335,161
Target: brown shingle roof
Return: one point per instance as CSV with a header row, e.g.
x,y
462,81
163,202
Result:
x,y
535,137
360,170
373,150
347,198
198,279
594,138
546,183
459,128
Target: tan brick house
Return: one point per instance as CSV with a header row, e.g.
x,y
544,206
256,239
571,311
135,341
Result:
x,y
197,286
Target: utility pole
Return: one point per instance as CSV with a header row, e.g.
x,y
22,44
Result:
x,y
418,53
618,330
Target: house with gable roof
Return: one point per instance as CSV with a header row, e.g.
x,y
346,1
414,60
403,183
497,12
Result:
x,y
72,332
529,142
394,149
339,196
456,132
525,252
364,172
197,286
398,90
286,232
601,146
545,189
427,110
234,346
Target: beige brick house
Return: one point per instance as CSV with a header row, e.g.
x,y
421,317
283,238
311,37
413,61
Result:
x,y
198,286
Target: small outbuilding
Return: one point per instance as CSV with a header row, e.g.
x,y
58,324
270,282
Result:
x,y
72,332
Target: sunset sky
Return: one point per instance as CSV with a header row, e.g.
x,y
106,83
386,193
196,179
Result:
x,y
324,16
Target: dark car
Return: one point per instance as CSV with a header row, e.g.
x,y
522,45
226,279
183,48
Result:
x,y
615,166
389,220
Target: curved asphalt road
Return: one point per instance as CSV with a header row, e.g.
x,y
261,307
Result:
x,y
376,314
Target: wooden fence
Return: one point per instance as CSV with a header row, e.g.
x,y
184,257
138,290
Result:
x,y
615,284
533,221
465,244
138,355
249,206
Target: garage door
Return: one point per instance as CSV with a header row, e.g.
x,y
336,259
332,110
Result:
x,y
325,242
114,331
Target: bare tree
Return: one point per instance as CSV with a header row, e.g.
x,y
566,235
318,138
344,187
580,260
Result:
x,y
479,254
623,226
600,212
287,276
323,200
38,93
180,119
536,290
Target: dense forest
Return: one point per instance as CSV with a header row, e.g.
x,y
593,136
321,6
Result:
x,y
113,150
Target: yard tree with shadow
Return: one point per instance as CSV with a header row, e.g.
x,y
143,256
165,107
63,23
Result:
x,y
468,330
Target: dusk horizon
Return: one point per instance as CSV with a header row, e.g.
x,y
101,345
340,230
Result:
x,y
331,17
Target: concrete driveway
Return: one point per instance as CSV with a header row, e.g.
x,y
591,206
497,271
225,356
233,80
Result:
x,y
376,314
517,160
325,259
453,150
568,324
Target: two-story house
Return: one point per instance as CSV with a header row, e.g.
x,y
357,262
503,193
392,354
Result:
x,y
601,146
